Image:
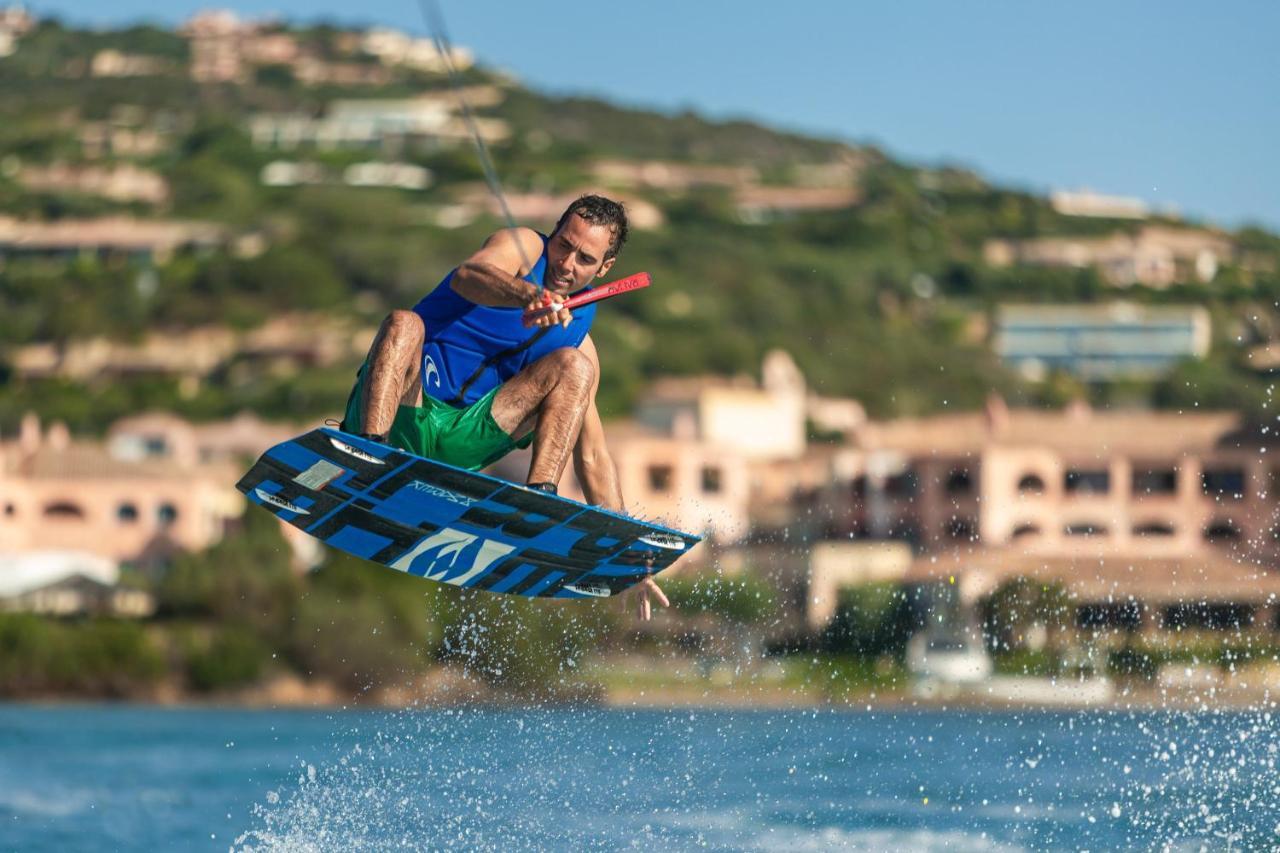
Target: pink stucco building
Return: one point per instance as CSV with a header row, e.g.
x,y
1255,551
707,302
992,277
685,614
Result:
x,y
135,499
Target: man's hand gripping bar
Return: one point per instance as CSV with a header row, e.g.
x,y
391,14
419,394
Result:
x,y
594,294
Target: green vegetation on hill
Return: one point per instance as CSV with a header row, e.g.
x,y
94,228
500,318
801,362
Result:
x,y
878,301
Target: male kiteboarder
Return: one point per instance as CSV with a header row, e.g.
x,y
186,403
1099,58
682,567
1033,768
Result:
x,y
491,360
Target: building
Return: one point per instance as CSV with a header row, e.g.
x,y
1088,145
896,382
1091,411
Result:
x,y
225,49
284,345
127,133
670,177
393,48
765,424
216,38
1162,520
1100,342
146,241
759,204
162,436
1154,255
15,22
370,122
68,583
123,183
57,494
691,484
674,479
405,176
114,63
762,422
1092,204
313,71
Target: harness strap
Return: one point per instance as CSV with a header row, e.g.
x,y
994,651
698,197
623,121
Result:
x,y
457,400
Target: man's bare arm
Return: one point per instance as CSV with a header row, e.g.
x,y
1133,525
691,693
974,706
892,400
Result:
x,y
591,460
598,477
491,276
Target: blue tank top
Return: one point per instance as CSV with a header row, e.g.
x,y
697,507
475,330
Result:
x,y
471,349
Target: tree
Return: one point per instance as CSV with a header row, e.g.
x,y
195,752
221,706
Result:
x,y
872,620
1019,604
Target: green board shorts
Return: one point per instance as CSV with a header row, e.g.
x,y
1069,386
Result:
x,y
467,438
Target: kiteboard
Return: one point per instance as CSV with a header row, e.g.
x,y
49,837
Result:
x,y
446,524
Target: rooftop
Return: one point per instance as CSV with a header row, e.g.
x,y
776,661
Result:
x,y
1077,429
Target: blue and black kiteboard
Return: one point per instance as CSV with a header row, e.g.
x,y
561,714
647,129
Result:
x,y
446,524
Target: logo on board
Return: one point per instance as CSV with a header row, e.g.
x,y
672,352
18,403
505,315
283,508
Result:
x,y
451,556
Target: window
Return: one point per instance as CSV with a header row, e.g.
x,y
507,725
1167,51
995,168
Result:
x,y
1088,482
1204,614
1119,614
1031,484
1086,528
902,485
1223,483
1154,481
963,529
10,510
1026,531
63,510
905,531
167,514
959,482
1222,530
711,480
127,513
1154,528
659,478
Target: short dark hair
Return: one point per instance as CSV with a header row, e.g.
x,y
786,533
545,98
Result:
x,y
598,210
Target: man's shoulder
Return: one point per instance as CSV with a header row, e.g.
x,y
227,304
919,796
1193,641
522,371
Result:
x,y
521,234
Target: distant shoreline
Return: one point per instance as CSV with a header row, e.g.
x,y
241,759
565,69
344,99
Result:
x,y
319,697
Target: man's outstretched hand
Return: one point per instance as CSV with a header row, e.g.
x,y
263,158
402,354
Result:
x,y
641,595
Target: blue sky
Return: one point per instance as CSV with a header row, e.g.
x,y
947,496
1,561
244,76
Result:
x,y
1177,103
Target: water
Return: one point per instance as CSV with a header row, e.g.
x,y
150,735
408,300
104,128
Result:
x,y
125,778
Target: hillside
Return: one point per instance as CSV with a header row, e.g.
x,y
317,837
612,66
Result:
x,y
872,272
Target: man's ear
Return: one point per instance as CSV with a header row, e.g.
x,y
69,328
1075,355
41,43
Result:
x,y
606,266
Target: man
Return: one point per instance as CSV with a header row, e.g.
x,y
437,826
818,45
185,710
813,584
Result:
x,y
490,360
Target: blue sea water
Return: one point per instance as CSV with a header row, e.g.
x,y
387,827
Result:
x,y
131,778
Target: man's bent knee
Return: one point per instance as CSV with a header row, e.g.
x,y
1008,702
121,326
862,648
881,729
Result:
x,y
403,325
572,364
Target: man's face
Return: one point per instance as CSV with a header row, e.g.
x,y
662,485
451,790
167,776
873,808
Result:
x,y
575,254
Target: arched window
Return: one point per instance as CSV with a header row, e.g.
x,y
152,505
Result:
x,y
167,514
1026,531
1154,528
64,510
1031,484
